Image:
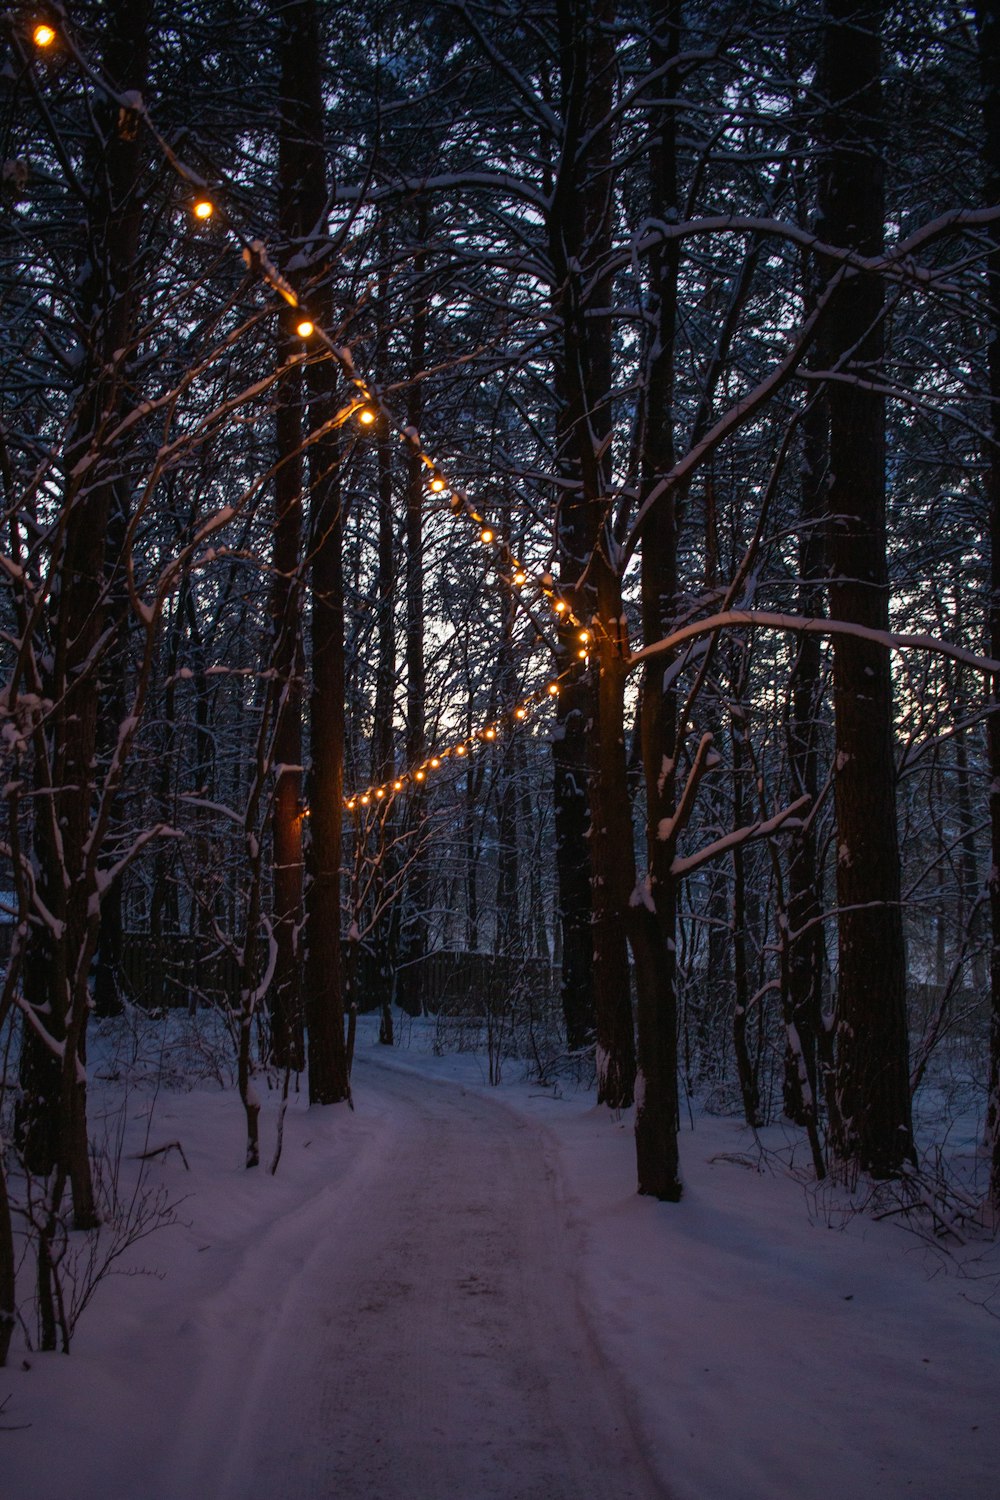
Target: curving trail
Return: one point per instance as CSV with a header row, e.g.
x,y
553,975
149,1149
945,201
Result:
x,y
432,1346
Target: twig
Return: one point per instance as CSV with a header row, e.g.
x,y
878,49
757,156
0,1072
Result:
x,y
161,1151
11,1426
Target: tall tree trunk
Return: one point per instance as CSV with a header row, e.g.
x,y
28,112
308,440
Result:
x,y
383,744
414,933
576,535
112,711
746,1067
988,17
287,1042
655,927
8,1301
52,1117
203,778
473,784
613,853
803,1002
507,938
572,853
327,1055
299,122
579,240
968,873
874,1130
324,1002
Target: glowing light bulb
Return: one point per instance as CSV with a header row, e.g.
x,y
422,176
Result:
x,y
420,775
583,653
204,208
585,636
366,416
520,713
489,734
435,763
305,329
365,799
553,690
380,792
560,606
43,36
350,805
459,749
397,786
437,484
520,577
486,536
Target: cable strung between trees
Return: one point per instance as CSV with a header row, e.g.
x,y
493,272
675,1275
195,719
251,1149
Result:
x,y
367,406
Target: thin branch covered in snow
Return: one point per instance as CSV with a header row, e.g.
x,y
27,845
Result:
x,y
757,619
762,829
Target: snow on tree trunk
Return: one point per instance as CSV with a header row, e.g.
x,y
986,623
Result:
x,y
52,1115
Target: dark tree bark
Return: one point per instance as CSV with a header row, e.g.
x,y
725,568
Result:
x,y
572,819
804,967
383,750
8,1302
298,124
988,18
612,850
287,1041
873,1131
655,927
475,776
207,877
746,1065
329,1082
579,237
382,733
413,938
324,1003
52,1118
576,533
507,937
112,710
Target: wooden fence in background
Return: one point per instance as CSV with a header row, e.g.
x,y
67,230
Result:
x,y
174,973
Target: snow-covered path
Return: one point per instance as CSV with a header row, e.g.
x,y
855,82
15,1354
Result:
x,y
455,1293
431,1344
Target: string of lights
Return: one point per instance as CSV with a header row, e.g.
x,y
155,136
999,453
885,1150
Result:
x,y
418,776
368,405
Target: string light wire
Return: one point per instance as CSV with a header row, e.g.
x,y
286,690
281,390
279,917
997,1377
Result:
x,y
368,405
372,403
459,749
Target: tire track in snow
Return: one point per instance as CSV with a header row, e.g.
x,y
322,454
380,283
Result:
x,y
433,1346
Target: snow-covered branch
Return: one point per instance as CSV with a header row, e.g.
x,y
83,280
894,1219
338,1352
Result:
x,y
762,619
762,829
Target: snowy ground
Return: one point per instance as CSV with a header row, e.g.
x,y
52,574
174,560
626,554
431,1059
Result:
x,y
454,1294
